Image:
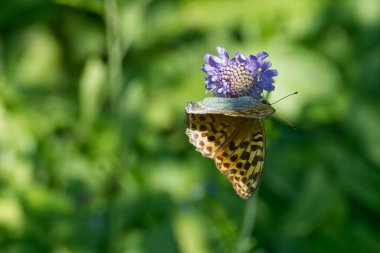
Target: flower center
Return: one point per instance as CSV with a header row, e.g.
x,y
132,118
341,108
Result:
x,y
237,78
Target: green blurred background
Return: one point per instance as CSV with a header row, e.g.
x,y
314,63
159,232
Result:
x,y
93,154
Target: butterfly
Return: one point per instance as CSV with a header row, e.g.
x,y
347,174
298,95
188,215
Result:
x,y
230,131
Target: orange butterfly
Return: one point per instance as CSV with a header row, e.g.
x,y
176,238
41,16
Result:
x,y
230,131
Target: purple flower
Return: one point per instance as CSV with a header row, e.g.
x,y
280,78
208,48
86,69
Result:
x,y
239,76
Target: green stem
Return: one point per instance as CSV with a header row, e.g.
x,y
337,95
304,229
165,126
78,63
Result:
x,y
244,242
114,50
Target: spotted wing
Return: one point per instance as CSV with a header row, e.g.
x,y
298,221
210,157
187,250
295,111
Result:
x,y
235,143
241,158
208,132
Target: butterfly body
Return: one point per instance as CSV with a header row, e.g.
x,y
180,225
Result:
x,y
230,131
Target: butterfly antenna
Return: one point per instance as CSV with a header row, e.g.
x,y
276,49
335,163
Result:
x,y
280,118
294,93
286,122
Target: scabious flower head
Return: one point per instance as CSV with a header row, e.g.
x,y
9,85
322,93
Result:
x,y
239,76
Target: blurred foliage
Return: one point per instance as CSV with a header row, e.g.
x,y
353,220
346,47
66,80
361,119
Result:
x,y
93,155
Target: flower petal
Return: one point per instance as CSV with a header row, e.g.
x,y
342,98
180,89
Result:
x,y
270,73
240,57
208,69
206,57
262,55
265,65
253,58
214,61
223,54
267,84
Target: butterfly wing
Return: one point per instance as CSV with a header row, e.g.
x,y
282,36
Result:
x,y
247,107
241,159
208,132
236,144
